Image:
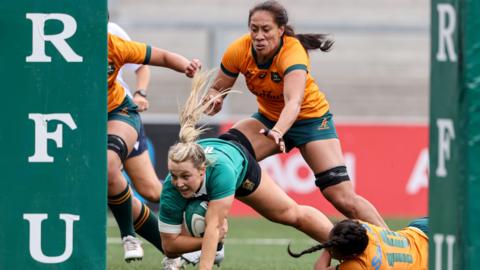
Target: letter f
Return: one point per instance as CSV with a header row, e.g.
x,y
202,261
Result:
x,y
42,135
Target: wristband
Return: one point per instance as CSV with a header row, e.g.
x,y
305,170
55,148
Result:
x,y
141,92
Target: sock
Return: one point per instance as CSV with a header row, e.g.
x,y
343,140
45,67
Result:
x,y
121,207
146,225
219,246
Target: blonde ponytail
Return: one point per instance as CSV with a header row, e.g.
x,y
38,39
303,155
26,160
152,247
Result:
x,y
190,114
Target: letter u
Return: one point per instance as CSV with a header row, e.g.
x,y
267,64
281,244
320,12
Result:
x,y
35,245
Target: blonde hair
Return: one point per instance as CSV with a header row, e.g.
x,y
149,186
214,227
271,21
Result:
x,y
190,114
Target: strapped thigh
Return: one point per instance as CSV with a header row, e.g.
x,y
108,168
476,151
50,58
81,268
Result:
x,y
331,177
117,145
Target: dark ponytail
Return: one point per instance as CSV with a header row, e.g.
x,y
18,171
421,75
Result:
x,y
348,239
311,41
280,16
308,250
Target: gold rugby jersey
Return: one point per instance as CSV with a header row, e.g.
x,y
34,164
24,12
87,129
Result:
x,y
266,80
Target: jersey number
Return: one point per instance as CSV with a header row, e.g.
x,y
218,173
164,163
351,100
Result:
x,y
396,240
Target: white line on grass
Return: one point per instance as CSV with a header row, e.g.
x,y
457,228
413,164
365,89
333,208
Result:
x,y
245,241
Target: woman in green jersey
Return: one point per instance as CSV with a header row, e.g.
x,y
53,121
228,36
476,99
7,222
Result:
x,y
219,171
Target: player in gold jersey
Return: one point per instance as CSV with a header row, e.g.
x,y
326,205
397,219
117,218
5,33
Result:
x,y
292,111
123,127
363,246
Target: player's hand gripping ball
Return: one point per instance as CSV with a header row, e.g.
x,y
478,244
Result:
x,y
194,217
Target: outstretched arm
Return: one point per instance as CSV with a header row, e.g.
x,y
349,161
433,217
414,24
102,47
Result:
x,y
293,92
221,84
125,51
164,58
215,219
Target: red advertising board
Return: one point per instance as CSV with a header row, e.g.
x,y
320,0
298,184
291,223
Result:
x,y
388,165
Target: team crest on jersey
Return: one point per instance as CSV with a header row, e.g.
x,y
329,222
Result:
x,y
324,124
248,185
262,75
275,77
111,69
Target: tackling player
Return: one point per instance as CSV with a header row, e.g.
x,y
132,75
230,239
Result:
x,y
292,111
363,246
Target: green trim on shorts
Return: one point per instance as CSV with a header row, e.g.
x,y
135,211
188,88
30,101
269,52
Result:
x,y
304,131
127,112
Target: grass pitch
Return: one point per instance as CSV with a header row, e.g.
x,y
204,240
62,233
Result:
x,y
252,243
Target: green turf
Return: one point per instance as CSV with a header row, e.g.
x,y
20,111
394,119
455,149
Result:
x,y
252,243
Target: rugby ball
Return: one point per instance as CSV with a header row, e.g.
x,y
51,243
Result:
x,y
194,217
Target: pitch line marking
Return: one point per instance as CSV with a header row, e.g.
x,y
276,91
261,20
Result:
x,y
245,241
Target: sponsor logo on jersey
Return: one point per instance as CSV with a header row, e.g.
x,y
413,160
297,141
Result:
x,y
268,94
111,68
208,150
275,77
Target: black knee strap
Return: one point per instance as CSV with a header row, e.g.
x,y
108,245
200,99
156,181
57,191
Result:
x,y
117,145
331,177
237,136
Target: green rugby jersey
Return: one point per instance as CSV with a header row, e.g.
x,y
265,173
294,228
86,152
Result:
x,y
222,177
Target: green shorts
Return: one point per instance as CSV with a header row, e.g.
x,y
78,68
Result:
x,y
304,131
127,112
421,223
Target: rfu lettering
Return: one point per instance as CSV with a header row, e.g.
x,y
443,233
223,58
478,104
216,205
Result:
x,y
446,133
35,236
58,40
42,135
447,20
438,239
